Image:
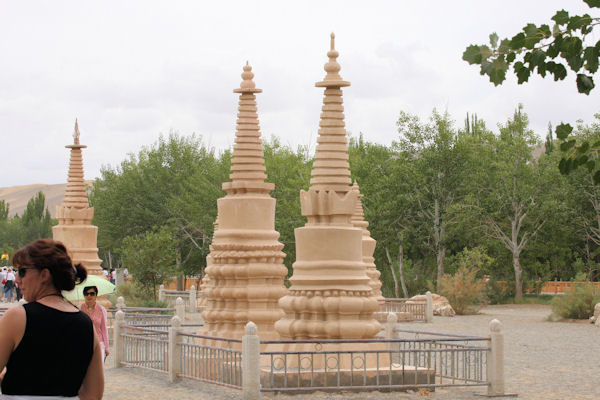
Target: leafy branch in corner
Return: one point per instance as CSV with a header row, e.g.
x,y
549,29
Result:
x,y
542,50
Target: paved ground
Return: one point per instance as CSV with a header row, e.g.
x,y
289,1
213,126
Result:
x,y
543,360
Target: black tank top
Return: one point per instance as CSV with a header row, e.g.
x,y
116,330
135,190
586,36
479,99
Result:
x,y
53,356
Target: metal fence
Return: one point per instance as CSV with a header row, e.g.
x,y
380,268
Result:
x,y
144,347
210,359
404,359
379,364
405,309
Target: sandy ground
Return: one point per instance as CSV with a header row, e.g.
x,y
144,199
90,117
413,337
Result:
x,y
543,360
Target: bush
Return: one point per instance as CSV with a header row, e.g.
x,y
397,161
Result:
x,y
577,303
497,293
135,296
463,290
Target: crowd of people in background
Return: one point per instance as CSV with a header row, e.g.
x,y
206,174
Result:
x,y
10,289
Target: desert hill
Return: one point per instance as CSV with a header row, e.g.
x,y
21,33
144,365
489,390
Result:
x,y
18,196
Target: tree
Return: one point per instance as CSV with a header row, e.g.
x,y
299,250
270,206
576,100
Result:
x,y
36,220
511,192
150,258
174,183
436,176
541,50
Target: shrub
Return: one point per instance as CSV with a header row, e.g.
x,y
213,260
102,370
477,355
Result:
x,y
135,296
497,293
463,290
577,303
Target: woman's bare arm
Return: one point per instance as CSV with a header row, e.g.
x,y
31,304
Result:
x,y
92,387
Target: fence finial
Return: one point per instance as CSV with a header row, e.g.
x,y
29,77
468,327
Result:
x,y
176,322
495,325
251,328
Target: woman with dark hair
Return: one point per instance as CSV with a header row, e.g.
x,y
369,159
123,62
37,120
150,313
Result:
x,y
98,315
48,346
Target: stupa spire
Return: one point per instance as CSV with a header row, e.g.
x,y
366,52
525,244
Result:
x,y
75,215
245,265
75,193
248,164
331,169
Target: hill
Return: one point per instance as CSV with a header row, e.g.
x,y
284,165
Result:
x,y
18,196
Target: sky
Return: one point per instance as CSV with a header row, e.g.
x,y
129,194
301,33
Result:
x,y
133,70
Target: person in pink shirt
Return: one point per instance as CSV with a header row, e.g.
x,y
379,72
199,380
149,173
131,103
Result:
x,y
97,314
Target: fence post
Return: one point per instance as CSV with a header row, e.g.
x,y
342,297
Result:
x,y
428,307
251,363
118,339
193,295
392,320
120,303
161,293
495,362
180,308
174,351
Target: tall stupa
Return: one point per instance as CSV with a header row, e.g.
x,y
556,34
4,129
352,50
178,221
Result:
x,y
330,296
368,246
75,215
245,264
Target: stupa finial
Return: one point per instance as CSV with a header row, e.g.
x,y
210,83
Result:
x,y
76,133
247,85
332,67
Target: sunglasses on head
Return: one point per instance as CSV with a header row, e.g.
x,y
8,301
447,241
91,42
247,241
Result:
x,y
92,293
21,271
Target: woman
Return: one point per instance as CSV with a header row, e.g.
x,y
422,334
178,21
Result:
x,y
98,315
49,347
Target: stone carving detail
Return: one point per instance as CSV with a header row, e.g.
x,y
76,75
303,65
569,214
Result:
x,y
245,266
75,216
330,296
368,246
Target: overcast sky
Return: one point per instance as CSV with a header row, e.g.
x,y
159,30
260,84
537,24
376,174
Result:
x,y
131,70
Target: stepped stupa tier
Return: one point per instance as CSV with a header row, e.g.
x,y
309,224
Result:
x,y
330,296
246,268
368,246
75,216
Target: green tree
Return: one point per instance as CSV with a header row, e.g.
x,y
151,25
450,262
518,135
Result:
x,y
174,183
511,192
36,220
150,258
435,179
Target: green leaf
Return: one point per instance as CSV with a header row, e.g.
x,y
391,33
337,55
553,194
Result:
x,y
584,147
575,22
510,57
494,40
537,57
566,146
590,165
591,59
592,3
581,160
597,177
560,72
498,74
563,131
476,54
561,17
575,62
518,41
522,74
585,83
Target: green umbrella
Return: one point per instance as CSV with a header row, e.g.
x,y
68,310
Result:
x,y
103,285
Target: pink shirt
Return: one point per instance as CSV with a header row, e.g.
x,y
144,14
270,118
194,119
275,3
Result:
x,y
98,317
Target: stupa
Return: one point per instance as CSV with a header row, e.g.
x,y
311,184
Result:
x,y
75,215
330,296
245,264
368,246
